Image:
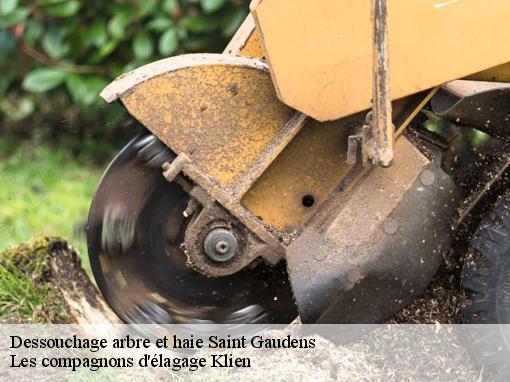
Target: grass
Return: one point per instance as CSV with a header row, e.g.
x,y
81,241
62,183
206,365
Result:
x,y
44,191
26,292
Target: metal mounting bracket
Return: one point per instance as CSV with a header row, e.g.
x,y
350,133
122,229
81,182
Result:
x,y
375,139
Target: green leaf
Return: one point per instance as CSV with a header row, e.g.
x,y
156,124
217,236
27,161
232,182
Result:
x,y
33,31
183,33
232,21
104,51
7,6
97,34
85,90
43,80
159,24
77,38
169,6
13,18
143,46
146,7
53,43
200,23
118,24
168,42
67,9
210,6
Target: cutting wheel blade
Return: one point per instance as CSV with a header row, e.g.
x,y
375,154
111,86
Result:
x,y
134,232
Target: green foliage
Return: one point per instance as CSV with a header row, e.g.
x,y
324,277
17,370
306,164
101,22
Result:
x,y
57,55
43,80
168,42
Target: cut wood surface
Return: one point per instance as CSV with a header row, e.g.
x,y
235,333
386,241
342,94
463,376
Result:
x,y
85,303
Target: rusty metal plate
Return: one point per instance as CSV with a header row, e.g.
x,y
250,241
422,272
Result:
x,y
313,165
320,52
246,41
221,110
228,131
380,246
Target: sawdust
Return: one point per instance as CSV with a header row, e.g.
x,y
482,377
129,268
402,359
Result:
x,y
364,360
444,299
374,358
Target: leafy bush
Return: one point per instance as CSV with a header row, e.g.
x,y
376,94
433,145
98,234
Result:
x,y
57,55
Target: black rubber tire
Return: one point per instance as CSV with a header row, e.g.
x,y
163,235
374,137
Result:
x,y
486,279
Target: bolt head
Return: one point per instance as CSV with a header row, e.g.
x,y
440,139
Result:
x,y
390,227
427,178
220,245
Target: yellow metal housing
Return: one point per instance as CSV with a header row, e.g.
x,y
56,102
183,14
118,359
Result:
x,y
320,52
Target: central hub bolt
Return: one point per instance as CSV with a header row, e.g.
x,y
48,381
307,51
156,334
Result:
x,y
220,245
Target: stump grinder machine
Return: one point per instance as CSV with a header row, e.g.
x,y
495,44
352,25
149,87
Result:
x,y
280,178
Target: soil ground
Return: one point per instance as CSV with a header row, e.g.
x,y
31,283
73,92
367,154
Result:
x,y
441,303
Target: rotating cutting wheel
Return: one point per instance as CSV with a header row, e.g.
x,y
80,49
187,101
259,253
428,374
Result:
x,y
134,232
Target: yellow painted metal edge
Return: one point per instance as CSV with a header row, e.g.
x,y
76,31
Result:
x,y
127,81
